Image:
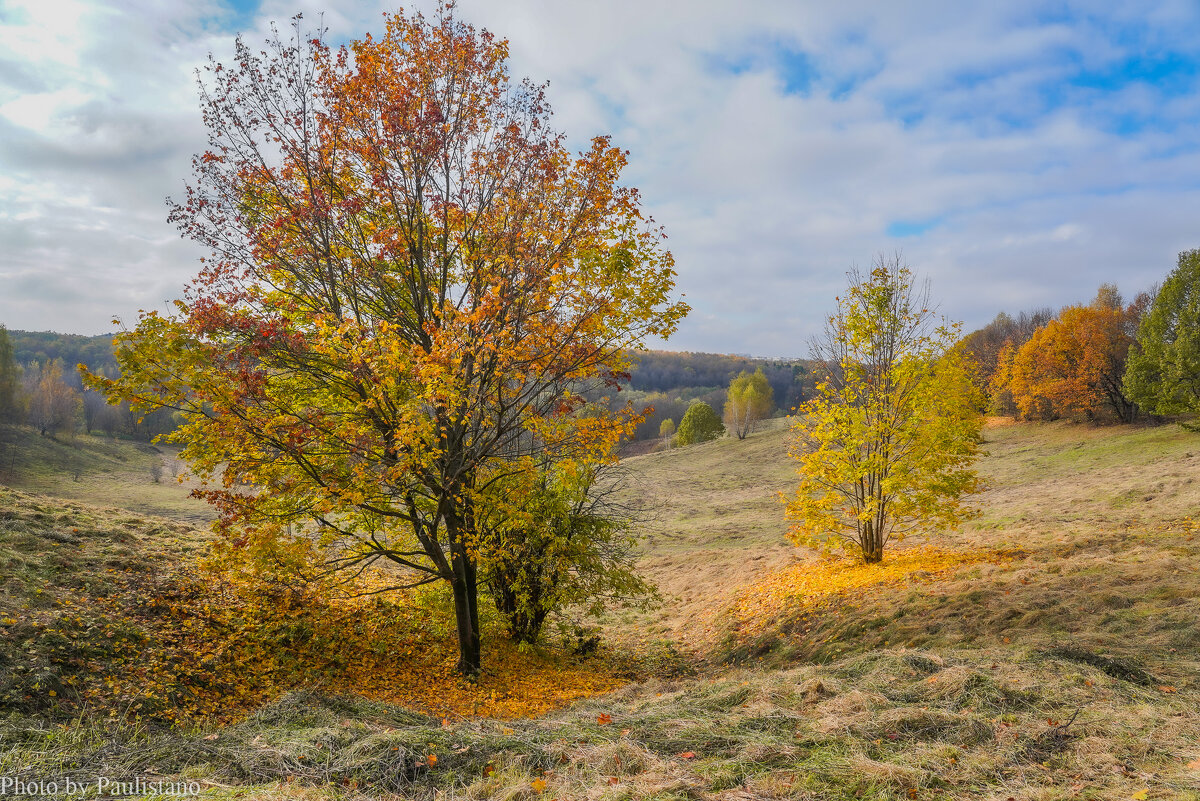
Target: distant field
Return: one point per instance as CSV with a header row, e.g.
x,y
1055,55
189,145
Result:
x,y
102,471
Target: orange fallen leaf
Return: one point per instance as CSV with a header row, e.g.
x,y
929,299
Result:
x,y
688,755
604,719
1166,688
431,759
538,785
613,780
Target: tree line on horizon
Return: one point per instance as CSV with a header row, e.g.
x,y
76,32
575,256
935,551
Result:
x,y
661,383
1107,361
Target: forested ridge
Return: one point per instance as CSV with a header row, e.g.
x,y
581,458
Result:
x,y
666,381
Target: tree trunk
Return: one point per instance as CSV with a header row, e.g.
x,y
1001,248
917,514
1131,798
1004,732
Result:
x,y
466,611
872,544
465,585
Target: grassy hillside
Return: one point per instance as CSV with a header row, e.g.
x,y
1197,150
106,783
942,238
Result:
x,y
712,524
1057,655
118,617
136,476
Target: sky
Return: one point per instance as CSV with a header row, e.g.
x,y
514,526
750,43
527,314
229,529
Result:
x,y
1016,154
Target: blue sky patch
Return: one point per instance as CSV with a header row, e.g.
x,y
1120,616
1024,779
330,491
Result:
x,y
1171,74
242,13
900,229
797,70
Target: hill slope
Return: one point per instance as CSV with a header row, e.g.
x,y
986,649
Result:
x,y
136,476
1067,667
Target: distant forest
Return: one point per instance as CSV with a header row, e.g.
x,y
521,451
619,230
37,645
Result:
x,y
668,381
46,346
662,371
34,352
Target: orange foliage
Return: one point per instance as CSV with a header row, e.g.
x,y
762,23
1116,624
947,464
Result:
x,y
1074,365
814,583
205,646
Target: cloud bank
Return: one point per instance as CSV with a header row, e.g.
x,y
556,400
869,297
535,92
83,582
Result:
x,y
1018,156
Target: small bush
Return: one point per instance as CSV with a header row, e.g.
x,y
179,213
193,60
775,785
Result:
x,y
699,424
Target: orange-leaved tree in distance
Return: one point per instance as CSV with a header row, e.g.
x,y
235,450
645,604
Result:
x,y
1075,364
412,284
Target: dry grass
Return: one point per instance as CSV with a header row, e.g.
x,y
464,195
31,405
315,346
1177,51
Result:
x,y
891,724
101,471
1071,670
712,525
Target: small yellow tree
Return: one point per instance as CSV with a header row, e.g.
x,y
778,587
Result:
x,y
750,399
886,446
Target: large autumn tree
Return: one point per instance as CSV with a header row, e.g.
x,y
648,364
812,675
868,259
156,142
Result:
x,y
412,284
887,444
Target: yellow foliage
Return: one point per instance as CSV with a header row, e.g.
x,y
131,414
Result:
x,y
213,646
813,584
886,445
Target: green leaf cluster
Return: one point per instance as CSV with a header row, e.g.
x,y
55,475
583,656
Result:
x,y
1163,373
550,542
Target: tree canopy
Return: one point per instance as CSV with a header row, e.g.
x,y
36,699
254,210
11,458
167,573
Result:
x,y
412,284
749,400
699,424
1074,365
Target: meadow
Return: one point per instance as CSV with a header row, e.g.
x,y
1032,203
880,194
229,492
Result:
x,y
1047,650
